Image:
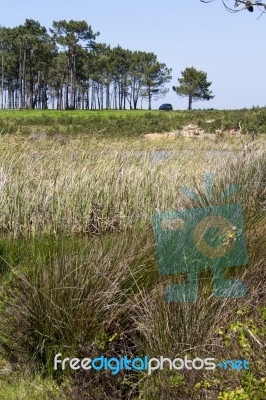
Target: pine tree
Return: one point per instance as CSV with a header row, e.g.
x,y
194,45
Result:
x,y
193,85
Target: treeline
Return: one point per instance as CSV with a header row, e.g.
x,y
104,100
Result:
x,y
66,69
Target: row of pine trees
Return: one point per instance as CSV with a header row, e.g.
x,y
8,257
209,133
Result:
x,y
66,68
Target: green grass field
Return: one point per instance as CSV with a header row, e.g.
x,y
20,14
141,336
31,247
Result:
x,y
78,263
125,123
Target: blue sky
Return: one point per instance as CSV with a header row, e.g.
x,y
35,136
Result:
x,y
229,47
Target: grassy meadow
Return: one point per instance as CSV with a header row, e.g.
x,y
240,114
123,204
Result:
x,y
78,263
128,123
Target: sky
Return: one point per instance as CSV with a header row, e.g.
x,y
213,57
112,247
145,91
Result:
x,y
230,48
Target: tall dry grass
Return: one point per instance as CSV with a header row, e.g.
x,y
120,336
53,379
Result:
x,y
80,294
79,186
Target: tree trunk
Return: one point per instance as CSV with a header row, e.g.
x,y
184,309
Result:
x,y
67,94
107,97
23,88
115,96
88,97
9,97
149,96
101,94
125,97
2,83
190,102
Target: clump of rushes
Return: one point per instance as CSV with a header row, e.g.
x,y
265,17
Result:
x,y
176,329
62,293
75,188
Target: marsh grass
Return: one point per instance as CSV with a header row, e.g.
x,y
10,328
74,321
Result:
x,y
77,187
78,258
23,387
176,329
64,292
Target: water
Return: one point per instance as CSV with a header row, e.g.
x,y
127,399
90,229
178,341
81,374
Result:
x,y
162,155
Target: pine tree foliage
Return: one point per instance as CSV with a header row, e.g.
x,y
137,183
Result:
x,y
193,85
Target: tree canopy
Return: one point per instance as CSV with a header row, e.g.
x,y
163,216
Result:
x,y
193,85
66,69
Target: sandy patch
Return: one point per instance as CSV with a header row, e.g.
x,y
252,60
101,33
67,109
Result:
x,y
192,130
